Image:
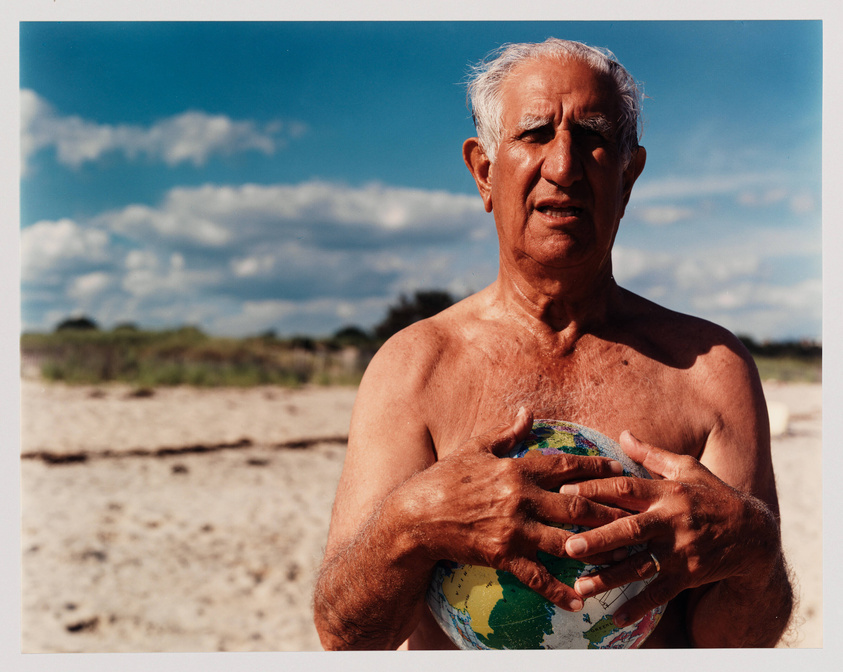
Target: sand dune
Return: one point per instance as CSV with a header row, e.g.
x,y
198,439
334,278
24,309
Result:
x,y
194,520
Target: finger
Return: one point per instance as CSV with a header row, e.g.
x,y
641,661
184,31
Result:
x,y
554,508
628,492
502,438
627,531
552,540
552,471
660,591
653,459
535,576
638,567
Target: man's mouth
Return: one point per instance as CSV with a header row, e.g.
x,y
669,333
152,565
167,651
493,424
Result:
x,y
559,212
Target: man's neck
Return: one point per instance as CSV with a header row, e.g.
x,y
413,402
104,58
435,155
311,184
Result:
x,y
561,306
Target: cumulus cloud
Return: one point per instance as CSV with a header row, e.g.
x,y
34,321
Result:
x,y
144,222
742,287
778,197
88,286
754,295
50,248
310,257
190,137
150,275
321,214
275,256
697,186
749,189
663,215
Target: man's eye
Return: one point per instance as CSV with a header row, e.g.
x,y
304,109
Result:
x,y
541,134
593,134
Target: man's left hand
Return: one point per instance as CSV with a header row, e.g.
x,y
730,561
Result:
x,y
697,529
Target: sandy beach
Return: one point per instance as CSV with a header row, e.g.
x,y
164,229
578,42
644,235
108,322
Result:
x,y
195,520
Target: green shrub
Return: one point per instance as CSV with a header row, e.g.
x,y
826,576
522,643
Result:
x,y
187,356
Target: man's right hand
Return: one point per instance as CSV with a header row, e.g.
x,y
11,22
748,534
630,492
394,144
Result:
x,y
475,508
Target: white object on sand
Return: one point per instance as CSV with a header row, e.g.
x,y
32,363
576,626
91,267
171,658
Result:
x,y
779,417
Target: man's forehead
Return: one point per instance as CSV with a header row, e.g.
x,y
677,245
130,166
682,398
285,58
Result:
x,y
533,89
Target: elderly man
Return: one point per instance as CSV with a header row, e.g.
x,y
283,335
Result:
x,y
555,337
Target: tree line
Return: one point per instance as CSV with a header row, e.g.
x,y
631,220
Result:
x,y
78,350
404,312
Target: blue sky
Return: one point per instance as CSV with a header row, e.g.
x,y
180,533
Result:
x,y
297,176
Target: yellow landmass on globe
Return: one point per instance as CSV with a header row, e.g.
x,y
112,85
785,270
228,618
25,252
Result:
x,y
561,440
474,590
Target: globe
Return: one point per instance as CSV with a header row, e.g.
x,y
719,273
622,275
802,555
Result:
x,y
485,608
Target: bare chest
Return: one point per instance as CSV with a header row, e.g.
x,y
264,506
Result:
x,y
609,388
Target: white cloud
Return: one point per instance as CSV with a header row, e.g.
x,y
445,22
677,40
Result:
x,y
88,286
298,258
697,186
323,213
674,199
148,276
48,247
767,197
189,137
747,189
791,311
309,258
143,222
373,205
252,266
141,259
753,294
662,215
705,270
737,286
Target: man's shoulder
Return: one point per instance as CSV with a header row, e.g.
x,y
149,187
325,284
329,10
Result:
x,y
434,337
708,356
683,340
423,346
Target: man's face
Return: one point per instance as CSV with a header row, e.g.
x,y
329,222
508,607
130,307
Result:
x,y
558,186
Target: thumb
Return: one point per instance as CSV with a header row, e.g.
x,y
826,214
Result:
x,y
505,436
655,460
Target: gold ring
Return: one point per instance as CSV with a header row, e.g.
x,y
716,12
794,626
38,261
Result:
x,y
656,561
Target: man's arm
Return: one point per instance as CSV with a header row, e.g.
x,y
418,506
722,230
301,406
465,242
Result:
x,y
398,510
366,596
712,524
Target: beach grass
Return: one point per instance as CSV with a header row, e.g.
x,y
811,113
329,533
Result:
x,y
789,369
189,357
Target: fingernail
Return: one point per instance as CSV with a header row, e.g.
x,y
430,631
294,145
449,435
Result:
x,y
575,546
584,587
575,604
568,489
621,620
616,467
619,554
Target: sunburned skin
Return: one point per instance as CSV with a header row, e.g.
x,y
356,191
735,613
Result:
x,y
600,384
555,337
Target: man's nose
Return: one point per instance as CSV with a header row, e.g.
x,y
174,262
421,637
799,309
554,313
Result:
x,y
562,164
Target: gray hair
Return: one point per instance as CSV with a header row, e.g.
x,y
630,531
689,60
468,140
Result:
x,y
487,78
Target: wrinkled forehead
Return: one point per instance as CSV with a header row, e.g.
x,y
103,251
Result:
x,y
551,78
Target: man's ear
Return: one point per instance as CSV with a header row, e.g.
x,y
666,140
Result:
x,y
480,168
632,171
